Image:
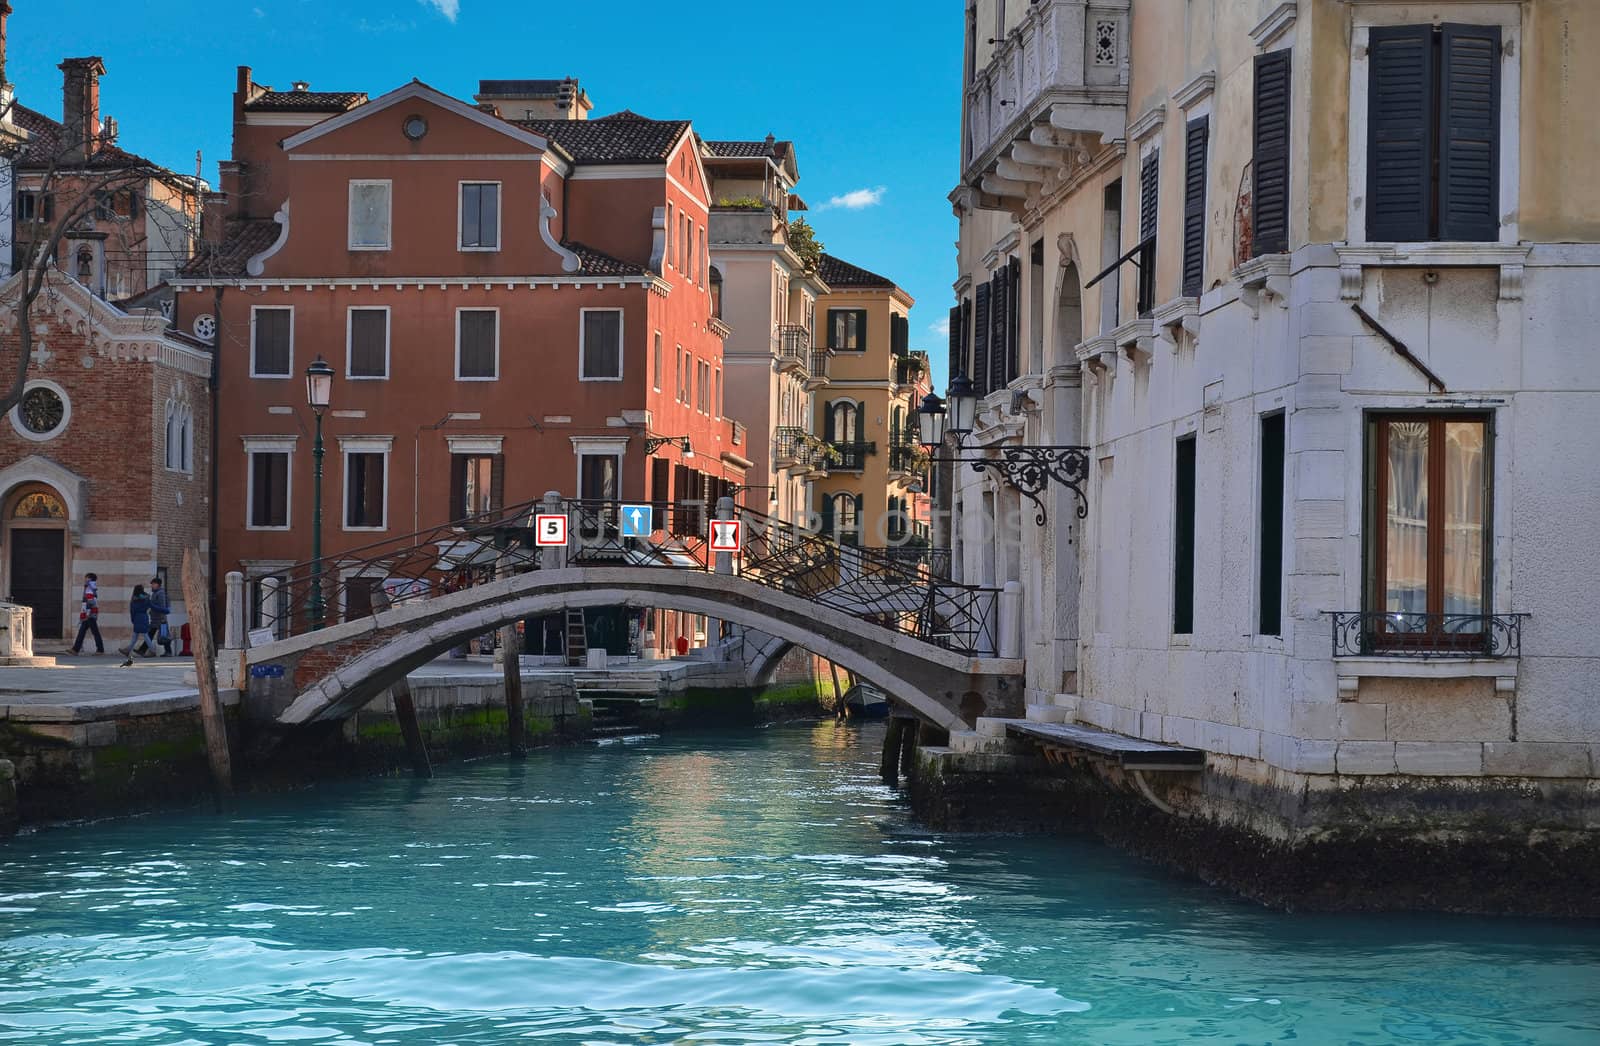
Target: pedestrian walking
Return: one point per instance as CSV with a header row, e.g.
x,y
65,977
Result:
x,y
89,616
139,611
160,608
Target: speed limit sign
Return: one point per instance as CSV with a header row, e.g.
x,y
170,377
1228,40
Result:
x,y
550,530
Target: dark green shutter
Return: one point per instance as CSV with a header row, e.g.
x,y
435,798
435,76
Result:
x,y
497,483
980,340
1400,120
955,340
827,514
1196,138
861,428
1183,543
1014,321
999,323
827,423
1271,566
861,330
1149,195
458,489
1469,133
1270,206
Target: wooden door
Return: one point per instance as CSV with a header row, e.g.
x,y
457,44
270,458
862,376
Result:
x,y
36,576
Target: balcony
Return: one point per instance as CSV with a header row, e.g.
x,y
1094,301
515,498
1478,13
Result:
x,y
1422,636
821,366
789,447
1056,88
908,370
794,347
906,457
849,457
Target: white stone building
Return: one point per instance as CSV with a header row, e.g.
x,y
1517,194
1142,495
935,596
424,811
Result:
x,y
1344,421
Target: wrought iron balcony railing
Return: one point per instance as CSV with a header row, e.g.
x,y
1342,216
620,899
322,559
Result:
x,y
821,364
789,446
903,457
1417,635
849,457
794,347
908,370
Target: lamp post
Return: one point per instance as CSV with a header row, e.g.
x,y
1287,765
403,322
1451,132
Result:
x,y
319,389
1029,470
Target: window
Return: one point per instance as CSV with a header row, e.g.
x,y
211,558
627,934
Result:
x,y
472,485
179,445
847,329
899,334
367,348
841,518
480,216
670,220
364,502
1270,568
716,401
598,477
369,215
600,345
703,375
1183,539
683,375
716,293
655,362
843,423
477,344
1197,137
1433,133
271,341
1149,225
1428,483
1270,162
268,495
36,207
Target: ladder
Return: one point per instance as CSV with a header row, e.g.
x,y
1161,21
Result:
x,y
577,638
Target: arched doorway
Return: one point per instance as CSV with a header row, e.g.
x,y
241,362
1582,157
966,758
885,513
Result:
x,y
36,548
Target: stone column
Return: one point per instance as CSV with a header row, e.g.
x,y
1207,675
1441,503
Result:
x,y
234,618
1010,620
269,604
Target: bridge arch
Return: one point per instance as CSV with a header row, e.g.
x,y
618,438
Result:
x,y
329,674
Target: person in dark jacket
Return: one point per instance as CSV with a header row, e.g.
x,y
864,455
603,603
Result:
x,y
139,611
89,616
160,607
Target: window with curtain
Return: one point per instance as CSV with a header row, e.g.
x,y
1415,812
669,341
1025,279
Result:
x,y
847,330
602,345
471,485
480,216
369,215
1428,524
655,362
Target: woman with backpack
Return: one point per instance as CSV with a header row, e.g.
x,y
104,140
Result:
x,y
139,611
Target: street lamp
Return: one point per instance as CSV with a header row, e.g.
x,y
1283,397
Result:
x,y
655,443
319,390
1029,470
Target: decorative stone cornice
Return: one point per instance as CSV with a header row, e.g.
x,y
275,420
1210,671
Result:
x,y
1196,90
1510,259
1148,124
1177,318
1268,31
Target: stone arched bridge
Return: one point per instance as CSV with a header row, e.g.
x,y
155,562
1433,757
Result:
x,y
326,675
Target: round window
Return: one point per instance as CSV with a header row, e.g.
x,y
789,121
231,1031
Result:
x,y
205,327
414,127
42,412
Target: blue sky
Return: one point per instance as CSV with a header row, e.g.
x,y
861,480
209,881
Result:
x,y
869,95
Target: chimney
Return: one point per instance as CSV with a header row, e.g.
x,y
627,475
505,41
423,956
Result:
x,y
560,99
5,13
80,106
301,86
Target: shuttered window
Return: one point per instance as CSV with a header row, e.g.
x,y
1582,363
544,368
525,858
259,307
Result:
x,y
999,325
1183,543
1149,224
269,489
1270,206
369,343
1013,320
602,345
473,490
1433,139
271,341
956,333
980,340
847,330
364,490
477,344
1270,568
1196,139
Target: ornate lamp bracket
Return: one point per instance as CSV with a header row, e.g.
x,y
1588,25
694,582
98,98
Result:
x,y
1029,470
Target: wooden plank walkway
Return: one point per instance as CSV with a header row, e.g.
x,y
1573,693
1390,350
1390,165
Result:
x,y
1130,753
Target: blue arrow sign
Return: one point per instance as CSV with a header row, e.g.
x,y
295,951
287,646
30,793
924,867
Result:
x,y
636,521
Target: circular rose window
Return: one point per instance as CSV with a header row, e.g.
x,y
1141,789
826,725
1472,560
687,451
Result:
x,y
43,411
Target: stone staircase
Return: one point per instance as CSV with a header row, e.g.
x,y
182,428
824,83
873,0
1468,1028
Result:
x,y
989,736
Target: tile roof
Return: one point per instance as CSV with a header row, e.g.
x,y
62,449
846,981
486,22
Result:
x,y
241,241
46,142
306,101
741,150
619,138
836,272
597,263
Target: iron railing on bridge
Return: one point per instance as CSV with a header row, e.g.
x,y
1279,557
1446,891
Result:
x,y
906,590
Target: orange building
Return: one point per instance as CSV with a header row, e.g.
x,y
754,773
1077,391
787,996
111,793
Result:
x,y
513,298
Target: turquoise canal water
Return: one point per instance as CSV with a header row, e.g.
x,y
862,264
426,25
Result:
x,y
737,888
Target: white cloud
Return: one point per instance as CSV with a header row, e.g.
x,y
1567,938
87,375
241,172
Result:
x,y
856,199
941,327
448,8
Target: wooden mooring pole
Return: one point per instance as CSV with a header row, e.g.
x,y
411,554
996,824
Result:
x,y
205,670
889,765
405,709
511,645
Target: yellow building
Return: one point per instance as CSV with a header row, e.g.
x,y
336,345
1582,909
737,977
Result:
x,y
866,417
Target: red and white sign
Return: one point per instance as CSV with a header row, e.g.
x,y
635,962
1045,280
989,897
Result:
x,y
725,535
550,531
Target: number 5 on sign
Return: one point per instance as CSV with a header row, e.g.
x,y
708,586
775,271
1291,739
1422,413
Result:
x,y
725,534
550,531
